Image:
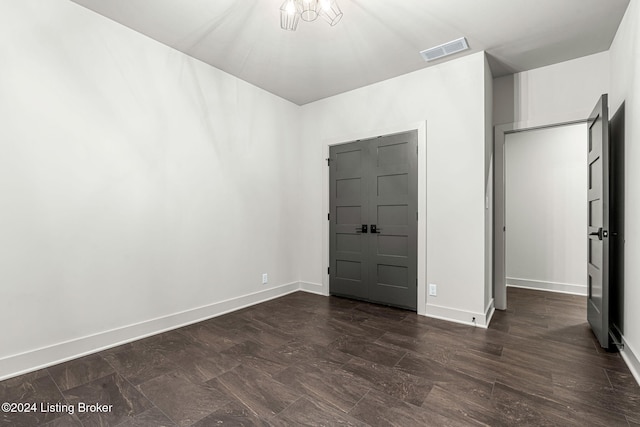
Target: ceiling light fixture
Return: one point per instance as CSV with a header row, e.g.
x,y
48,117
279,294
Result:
x,y
292,10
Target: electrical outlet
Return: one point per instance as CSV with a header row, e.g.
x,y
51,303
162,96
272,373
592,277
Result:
x,y
265,279
433,290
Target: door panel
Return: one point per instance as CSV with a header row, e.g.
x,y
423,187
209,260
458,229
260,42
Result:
x,y
386,175
348,211
598,222
393,204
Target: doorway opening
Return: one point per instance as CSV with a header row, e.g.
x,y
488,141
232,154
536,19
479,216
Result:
x,y
603,208
545,221
545,216
531,207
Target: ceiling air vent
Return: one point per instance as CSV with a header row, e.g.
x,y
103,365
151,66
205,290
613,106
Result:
x,y
445,49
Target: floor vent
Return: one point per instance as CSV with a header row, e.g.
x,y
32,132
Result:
x,y
445,49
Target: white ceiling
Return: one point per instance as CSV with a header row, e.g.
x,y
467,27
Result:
x,y
376,40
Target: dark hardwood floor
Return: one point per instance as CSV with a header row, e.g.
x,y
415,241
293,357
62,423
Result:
x,y
305,359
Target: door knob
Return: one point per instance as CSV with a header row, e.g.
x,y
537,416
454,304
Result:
x,y
362,229
600,233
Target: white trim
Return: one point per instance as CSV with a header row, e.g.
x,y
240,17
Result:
x,y
541,285
461,316
630,357
18,364
489,311
421,127
313,288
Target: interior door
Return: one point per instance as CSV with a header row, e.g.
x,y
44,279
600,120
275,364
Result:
x,y
373,220
393,220
349,215
598,222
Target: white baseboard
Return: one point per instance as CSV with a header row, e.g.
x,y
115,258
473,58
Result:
x,y
630,357
488,312
18,364
314,288
461,316
540,285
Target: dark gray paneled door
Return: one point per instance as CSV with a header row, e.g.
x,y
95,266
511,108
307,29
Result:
x,y
349,220
598,222
373,220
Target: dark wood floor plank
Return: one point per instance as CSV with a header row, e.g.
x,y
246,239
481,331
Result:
x,y
456,407
80,371
515,407
380,409
623,382
394,382
232,414
258,356
34,388
427,347
264,334
518,407
302,351
474,389
258,391
66,421
598,395
313,413
357,346
206,367
150,418
116,395
327,383
183,401
210,336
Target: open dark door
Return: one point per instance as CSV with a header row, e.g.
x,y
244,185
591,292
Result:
x,y
598,222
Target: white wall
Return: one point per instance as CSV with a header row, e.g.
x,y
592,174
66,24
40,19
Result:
x,y
451,98
625,87
553,94
488,180
135,183
546,195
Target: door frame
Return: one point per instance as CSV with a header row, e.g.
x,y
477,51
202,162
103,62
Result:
x,y
421,127
499,214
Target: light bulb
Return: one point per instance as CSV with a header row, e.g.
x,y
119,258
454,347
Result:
x,y
291,8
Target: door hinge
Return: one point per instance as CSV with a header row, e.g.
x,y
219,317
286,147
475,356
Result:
x,y
329,217
328,161
328,270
